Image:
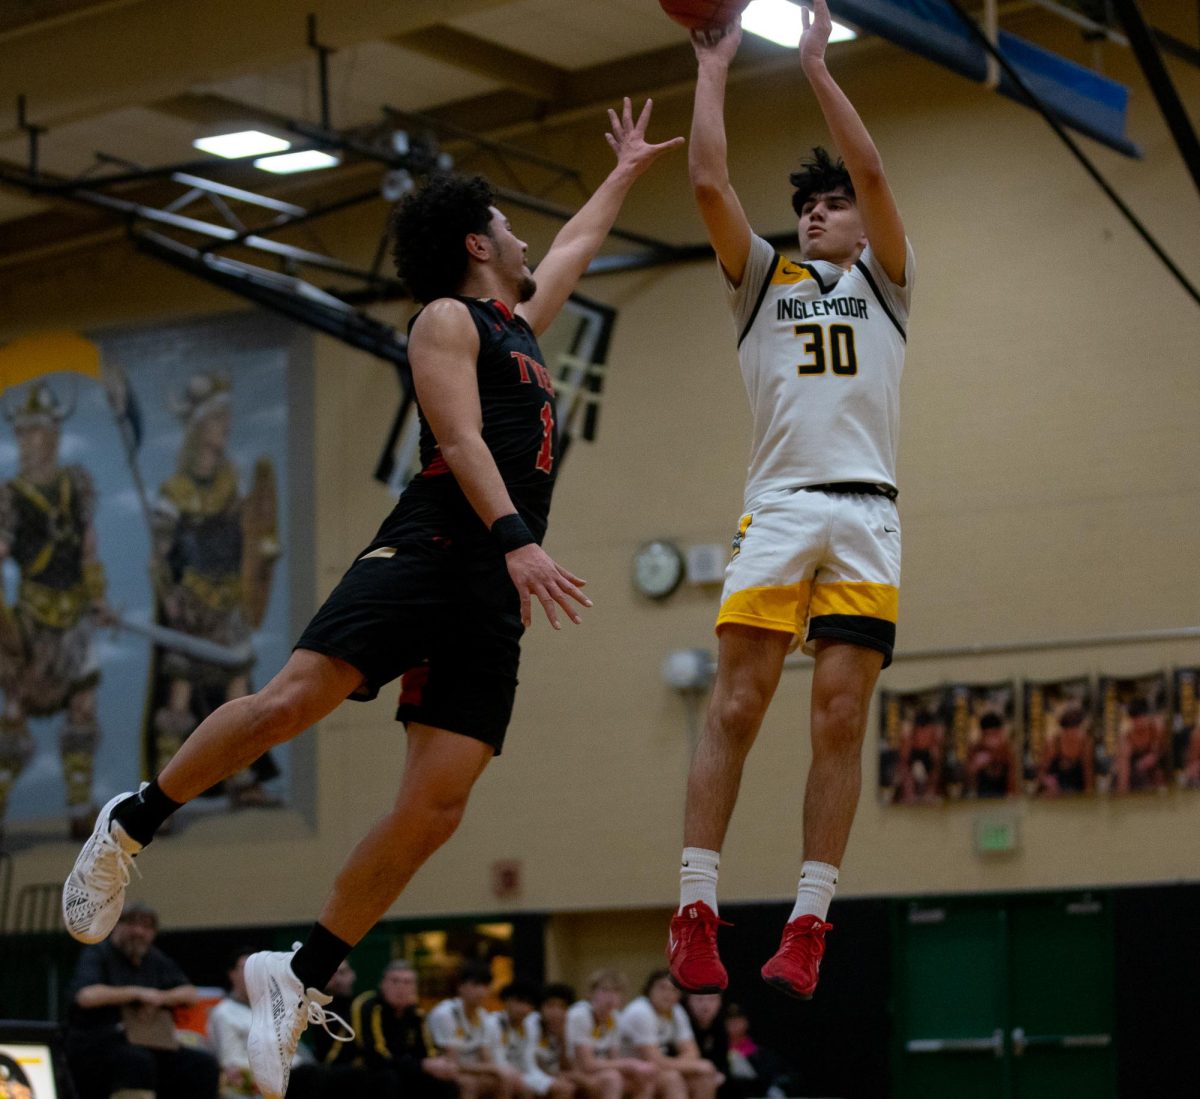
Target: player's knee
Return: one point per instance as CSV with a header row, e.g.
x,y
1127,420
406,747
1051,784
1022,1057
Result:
x,y
739,713
441,816
841,719
274,716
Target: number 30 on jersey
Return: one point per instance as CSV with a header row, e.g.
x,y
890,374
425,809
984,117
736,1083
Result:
x,y
833,348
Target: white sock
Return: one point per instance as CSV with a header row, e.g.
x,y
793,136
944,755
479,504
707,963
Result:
x,y
817,882
698,877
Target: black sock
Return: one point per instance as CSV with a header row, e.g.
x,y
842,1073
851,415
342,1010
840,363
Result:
x,y
317,960
143,814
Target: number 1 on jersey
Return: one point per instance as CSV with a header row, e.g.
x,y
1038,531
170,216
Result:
x,y
545,458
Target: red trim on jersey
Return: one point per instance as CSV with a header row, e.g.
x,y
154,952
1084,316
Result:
x,y
436,468
412,685
504,309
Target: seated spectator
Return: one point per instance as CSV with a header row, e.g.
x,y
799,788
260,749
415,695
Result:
x,y
228,1035
758,1071
551,1051
594,1044
464,1030
706,1013
327,1049
656,1029
392,1043
121,1032
520,1037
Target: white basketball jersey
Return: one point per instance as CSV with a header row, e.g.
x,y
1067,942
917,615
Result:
x,y
821,351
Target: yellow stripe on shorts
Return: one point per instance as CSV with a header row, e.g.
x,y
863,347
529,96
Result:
x,y
776,608
856,597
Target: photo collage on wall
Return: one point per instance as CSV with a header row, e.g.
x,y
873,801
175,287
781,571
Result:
x,y
1074,737
144,563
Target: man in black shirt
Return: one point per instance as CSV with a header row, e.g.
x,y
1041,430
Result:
x,y
441,595
391,1037
121,1033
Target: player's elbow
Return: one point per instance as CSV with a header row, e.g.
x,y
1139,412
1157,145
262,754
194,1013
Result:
x,y
708,186
456,447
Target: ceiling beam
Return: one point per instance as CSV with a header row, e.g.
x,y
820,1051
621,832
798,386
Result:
x,y
42,14
599,85
515,70
127,54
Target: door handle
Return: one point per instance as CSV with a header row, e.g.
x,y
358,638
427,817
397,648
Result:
x,y
1022,1041
993,1045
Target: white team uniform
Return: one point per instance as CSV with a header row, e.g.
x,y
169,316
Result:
x,y
520,1045
641,1025
821,352
550,1054
454,1031
585,1028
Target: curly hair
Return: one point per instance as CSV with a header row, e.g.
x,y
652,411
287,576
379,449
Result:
x,y
819,176
428,230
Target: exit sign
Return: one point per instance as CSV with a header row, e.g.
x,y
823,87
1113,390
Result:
x,y
996,835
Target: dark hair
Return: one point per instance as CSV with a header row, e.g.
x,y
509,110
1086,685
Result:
x,y
429,228
139,910
1139,707
559,991
1071,717
924,717
525,991
653,979
818,176
479,973
991,721
231,959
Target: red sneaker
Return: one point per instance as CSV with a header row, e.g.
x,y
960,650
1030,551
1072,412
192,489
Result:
x,y
796,966
692,950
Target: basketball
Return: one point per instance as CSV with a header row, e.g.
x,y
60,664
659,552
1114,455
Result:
x,y
704,15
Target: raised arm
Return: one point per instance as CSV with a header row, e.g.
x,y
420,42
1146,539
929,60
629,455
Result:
x,y
881,218
708,167
442,351
580,239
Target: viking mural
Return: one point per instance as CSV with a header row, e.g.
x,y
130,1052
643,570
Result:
x,y
47,667
214,550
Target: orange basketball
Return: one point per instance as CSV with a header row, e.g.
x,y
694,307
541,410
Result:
x,y
704,15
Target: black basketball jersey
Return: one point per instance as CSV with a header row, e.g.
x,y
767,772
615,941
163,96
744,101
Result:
x,y
516,397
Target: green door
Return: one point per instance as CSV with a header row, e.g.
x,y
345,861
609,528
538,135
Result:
x,y
951,978
1061,981
1004,998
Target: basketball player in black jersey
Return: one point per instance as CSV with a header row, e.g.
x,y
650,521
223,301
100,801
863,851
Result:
x,y
441,595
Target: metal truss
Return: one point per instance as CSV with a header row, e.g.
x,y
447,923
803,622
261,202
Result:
x,y
197,218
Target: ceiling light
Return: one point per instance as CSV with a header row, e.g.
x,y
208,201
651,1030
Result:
x,y
779,21
243,143
307,160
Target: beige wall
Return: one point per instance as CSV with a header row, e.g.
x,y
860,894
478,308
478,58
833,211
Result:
x,y
1049,481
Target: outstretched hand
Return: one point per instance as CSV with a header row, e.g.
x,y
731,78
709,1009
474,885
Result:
x,y
818,26
536,575
627,138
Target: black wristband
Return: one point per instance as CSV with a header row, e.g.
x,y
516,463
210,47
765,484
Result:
x,y
510,533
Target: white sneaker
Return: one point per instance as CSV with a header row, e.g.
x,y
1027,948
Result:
x,y
94,892
280,1009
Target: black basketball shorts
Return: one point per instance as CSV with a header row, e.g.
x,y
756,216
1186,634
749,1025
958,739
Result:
x,y
447,621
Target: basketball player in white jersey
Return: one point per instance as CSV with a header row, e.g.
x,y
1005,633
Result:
x,y
817,552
